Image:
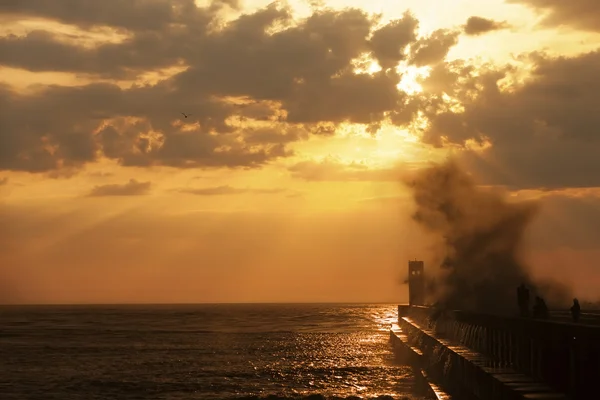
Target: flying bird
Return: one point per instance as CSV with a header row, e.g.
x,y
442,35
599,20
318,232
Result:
x,y
185,115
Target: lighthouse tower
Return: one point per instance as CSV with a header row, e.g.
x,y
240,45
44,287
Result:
x,y
416,283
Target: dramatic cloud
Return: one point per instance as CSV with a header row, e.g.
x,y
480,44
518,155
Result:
x,y
543,133
390,41
131,188
262,68
435,48
581,14
44,51
478,25
69,126
229,190
145,15
258,84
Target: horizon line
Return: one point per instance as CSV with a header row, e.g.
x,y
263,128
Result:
x,y
207,303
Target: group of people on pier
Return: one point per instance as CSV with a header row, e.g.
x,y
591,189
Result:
x,y
540,309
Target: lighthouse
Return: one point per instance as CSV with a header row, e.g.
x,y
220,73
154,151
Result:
x,y
416,283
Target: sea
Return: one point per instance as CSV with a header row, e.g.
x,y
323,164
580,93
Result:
x,y
221,351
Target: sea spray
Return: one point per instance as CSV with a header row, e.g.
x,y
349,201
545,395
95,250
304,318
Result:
x,y
478,234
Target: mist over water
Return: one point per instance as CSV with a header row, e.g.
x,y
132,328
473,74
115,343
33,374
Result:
x,y
479,237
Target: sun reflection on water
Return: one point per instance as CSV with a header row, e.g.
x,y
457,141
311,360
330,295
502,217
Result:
x,y
210,352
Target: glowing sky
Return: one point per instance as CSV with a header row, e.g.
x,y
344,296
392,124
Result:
x,y
283,183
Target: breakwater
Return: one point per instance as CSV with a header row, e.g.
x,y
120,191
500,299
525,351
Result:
x,y
478,356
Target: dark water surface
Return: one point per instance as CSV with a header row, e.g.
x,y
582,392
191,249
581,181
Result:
x,y
198,352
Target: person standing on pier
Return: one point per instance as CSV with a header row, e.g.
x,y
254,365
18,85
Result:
x,y
523,300
540,310
575,310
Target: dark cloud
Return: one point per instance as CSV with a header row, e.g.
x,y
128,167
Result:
x,y
172,34
356,98
543,133
229,190
452,78
479,25
390,41
40,51
581,14
308,67
145,15
433,49
297,74
294,79
60,127
131,188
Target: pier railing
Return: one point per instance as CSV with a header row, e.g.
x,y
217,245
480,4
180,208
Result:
x,y
565,356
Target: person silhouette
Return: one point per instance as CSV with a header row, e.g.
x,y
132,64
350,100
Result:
x,y
575,310
523,300
540,310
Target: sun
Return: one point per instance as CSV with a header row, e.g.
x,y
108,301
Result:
x,y
411,76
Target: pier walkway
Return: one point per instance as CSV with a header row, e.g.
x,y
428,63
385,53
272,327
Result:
x,y
476,356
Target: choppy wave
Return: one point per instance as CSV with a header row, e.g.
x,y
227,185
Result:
x,y
200,352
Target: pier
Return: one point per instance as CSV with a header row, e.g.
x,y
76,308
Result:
x,y
466,355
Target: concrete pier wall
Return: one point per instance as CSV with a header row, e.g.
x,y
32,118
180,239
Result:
x,y
564,356
411,355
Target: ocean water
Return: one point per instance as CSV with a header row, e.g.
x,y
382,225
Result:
x,y
199,352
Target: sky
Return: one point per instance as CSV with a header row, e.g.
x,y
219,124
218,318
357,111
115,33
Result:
x,y
284,183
